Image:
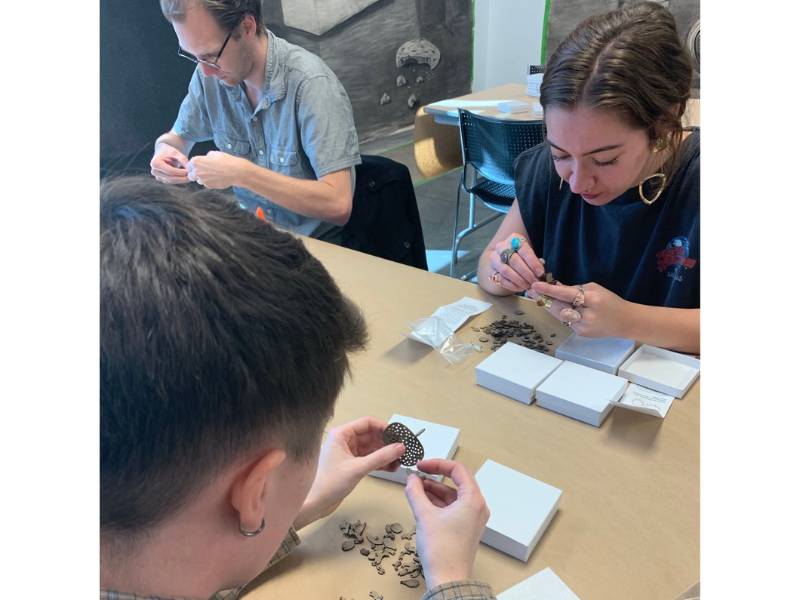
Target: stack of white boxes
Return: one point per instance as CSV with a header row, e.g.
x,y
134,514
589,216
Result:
x,y
590,376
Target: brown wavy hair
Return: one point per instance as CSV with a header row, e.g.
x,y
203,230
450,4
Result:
x,y
227,13
629,62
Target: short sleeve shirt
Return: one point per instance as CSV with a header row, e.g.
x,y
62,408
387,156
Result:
x,y
645,254
303,127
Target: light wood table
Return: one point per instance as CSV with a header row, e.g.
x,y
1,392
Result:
x,y
437,147
628,522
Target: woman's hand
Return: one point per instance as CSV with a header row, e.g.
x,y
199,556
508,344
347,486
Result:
x,y
602,314
349,452
522,269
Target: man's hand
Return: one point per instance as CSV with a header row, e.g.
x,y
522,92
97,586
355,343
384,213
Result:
x,y
349,452
217,170
169,165
450,521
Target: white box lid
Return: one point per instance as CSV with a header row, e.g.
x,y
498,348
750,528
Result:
x,y
662,370
583,387
605,354
644,400
518,366
521,507
544,585
439,441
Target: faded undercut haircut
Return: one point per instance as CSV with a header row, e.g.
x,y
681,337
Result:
x,y
227,13
629,62
219,336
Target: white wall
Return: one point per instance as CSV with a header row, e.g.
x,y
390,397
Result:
x,y
508,38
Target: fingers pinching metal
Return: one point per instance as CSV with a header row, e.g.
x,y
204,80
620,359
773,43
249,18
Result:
x,y
398,433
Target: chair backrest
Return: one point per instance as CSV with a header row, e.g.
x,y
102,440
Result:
x,y
491,145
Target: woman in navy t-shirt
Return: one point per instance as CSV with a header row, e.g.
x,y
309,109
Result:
x,y
610,202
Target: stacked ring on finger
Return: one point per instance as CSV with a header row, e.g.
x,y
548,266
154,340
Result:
x,y
495,278
579,298
516,244
506,255
570,316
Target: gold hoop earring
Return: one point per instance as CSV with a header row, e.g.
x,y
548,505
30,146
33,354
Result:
x,y
661,187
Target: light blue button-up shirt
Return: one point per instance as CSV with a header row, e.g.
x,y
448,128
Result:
x,y
303,127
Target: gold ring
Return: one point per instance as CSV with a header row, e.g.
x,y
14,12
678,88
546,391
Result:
x,y
544,301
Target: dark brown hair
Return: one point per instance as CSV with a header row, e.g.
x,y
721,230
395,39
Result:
x,y
218,334
629,62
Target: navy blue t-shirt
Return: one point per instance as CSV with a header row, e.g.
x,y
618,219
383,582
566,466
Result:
x,y
645,254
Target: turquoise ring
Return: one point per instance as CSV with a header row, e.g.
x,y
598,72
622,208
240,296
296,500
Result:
x,y
516,244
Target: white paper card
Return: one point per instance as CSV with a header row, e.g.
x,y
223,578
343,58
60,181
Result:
x,y
521,509
662,370
439,441
643,400
445,320
515,371
580,392
544,585
604,354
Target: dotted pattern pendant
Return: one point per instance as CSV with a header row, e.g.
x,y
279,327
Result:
x,y
399,433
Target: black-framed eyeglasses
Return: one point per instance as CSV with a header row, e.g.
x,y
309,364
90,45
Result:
x,y
209,63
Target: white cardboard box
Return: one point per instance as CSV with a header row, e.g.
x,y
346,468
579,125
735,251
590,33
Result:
x,y
439,441
579,392
603,354
515,371
544,585
662,370
521,509
643,400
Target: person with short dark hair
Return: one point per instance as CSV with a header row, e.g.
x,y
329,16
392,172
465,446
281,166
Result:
x,y
223,347
611,200
279,117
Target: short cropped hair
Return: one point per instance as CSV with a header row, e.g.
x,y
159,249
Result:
x,y
218,334
227,13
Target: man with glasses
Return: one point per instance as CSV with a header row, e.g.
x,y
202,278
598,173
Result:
x,y
280,118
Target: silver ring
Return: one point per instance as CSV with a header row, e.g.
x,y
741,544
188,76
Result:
x,y
506,255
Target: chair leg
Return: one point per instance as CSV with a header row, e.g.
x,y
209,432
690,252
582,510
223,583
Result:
x,y
456,239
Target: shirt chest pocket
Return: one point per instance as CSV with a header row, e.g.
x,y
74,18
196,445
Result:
x,y
281,159
232,145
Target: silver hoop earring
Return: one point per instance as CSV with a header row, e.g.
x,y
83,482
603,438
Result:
x,y
246,533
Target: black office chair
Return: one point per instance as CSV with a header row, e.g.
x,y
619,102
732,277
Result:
x,y
489,146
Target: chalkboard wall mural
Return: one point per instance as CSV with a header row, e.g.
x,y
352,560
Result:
x,y
566,14
391,55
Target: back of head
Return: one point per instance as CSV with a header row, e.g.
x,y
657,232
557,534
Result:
x,y
630,62
219,334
